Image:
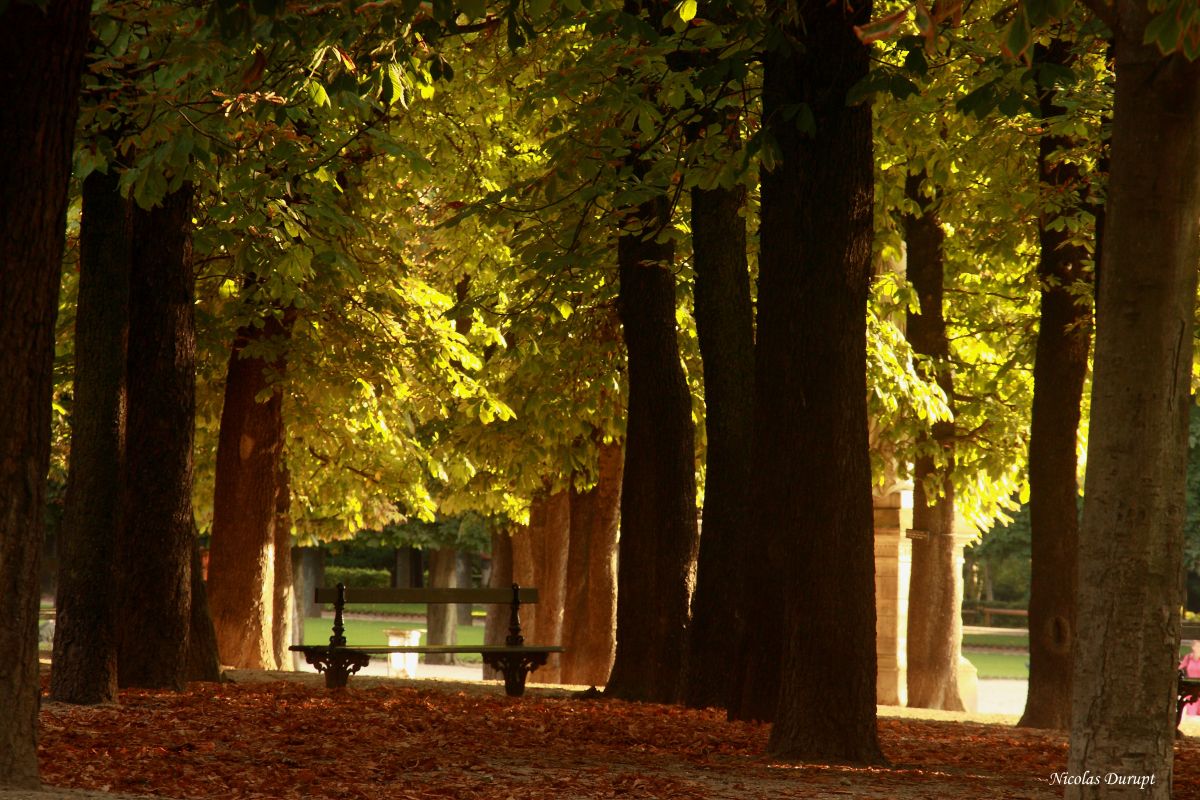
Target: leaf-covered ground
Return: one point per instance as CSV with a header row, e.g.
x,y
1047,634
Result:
x,y
290,740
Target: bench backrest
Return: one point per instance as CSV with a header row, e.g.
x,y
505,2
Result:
x,y
473,596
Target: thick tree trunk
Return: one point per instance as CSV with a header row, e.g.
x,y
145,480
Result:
x,y
590,608
725,326
551,579
241,584
154,545
659,537
539,559
85,634
440,618
813,473
1059,369
41,54
203,660
1130,541
496,625
935,585
284,604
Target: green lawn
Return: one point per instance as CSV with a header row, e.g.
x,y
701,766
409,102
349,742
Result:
x,y
396,609
1000,665
1016,639
370,632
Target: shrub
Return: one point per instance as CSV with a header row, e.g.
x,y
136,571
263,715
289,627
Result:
x,y
358,577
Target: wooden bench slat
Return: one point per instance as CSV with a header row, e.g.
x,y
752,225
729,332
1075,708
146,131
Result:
x,y
472,596
440,648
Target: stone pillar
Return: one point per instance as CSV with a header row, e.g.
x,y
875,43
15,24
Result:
x,y
893,566
968,676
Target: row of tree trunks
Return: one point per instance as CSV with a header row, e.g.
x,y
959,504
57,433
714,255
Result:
x,y
1059,369
539,558
41,56
569,552
1131,537
241,574
129,497
935,588
725,328
812,475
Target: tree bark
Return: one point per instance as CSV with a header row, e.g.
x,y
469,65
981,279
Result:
x,y
1059,369
496,625
85,631
241,584
154,544
935,585
659,537
203,660
41,54
441,619
725,327
812,469
526,555
1130,540
590,607
284,602
551,579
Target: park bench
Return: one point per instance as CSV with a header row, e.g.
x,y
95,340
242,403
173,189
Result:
x,y
338,660
1189,692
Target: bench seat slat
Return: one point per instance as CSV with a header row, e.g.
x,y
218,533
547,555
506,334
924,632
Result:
x,y
438,648
472,596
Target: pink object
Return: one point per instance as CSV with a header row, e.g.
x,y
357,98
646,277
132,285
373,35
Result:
x,y
1191,668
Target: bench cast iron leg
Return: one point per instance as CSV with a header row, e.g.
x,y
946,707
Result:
x,y
515,666
338,665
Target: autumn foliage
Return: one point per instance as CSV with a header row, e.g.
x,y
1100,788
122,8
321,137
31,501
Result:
x,y
288,740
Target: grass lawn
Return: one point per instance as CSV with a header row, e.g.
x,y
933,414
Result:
x,y
397,609
1000,665
1015,639
370,632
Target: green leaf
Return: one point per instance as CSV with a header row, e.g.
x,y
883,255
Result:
x,y
317,94
687,10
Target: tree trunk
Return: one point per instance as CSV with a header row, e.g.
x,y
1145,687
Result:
x,y
496,626
935,585
725,326
241,585
307,574
284,602
41,54
551,572
463,569
526,555
590,606
203,660
812,468
154,544
85,635
1130,541
659,539
1059,369
440,618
